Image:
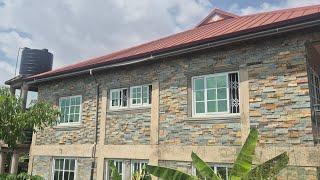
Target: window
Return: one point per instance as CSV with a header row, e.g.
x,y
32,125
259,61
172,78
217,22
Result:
x,y
140,95
223,170
70,108
137,166
217,93
64,169
119,98
119,164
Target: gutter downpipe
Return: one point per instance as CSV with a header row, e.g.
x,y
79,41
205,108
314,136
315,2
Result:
x,y
94,148
191,49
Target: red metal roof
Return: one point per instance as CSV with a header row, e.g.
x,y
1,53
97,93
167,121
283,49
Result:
x,y
209,32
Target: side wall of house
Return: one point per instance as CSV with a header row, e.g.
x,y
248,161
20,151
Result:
x,y
274,97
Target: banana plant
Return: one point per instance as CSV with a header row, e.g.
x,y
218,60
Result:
x,y
114,174
242,168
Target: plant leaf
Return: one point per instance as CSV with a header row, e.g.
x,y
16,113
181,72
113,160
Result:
x,y
269,168
169,174
243,162
203,168
114,171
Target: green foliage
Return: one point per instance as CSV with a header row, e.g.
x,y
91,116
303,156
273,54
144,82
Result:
x,y
243,162
167,173
14,119
141,175
242,169
113,171
269,169
203,168
21,176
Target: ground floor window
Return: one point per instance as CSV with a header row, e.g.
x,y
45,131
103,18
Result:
x,y
125,167
119,164
137,166
222,170
64,169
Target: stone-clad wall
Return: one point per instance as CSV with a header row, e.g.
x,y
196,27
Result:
x,y
84,133
279,96
128,127
42,166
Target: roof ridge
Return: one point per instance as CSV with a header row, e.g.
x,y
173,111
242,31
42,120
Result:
x,y
282,10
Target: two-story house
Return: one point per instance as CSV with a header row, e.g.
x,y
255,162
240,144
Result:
x,y
199,90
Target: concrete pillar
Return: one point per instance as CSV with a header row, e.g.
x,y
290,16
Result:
x,y
2,161
102,121
244,102
14,163
24,95
12,91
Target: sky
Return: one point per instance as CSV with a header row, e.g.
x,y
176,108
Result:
x,y
75,30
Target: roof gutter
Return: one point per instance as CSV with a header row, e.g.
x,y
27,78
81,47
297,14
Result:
x,y
265,33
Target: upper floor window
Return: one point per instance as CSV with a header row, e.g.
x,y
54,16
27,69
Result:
x,y
64,169
138,96
119,98
216,93
70,108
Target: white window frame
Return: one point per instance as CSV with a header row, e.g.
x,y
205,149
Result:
x,y
226,113
80,110
108,169
140,165
64,158
110,97
141,98
215,168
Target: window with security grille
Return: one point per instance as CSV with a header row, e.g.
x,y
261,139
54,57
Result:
x,y
64,169
216,94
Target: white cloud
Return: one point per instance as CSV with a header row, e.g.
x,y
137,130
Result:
x,y
6,71
264,6
76,30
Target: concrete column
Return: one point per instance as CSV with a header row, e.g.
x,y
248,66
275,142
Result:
x,y
2,161
14,163
154,127
24,95
103,117
244,102
12,91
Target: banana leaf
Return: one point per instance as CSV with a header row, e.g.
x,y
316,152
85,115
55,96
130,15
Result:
x,y
113,171
243,162
268,169
203,168
169,174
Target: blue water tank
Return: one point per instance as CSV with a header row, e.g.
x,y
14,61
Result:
x,y
35,61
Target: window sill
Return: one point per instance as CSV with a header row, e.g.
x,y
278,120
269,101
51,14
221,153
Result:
x,y
130,108
215,119
64,127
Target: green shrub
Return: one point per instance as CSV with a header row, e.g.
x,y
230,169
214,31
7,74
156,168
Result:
x,y
21,176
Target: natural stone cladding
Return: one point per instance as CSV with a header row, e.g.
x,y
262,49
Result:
x,y
128,127
83,133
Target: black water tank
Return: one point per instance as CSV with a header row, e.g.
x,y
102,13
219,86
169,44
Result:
x,y
35,61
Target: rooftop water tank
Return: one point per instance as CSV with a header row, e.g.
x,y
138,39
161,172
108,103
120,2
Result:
x,y
35,61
